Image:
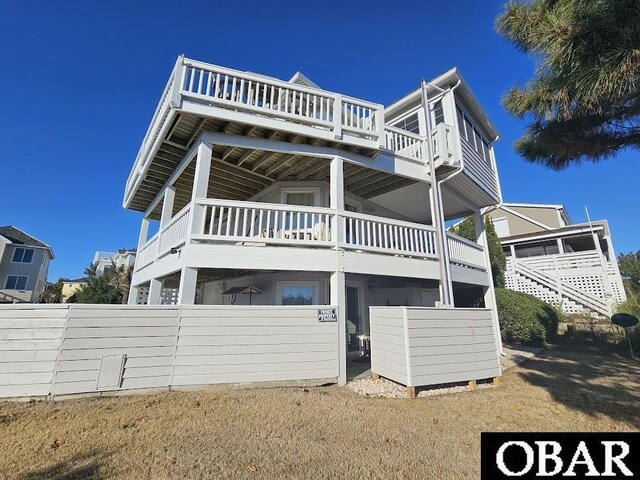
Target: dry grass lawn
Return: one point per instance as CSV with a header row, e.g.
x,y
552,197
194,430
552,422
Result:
x,y
315,433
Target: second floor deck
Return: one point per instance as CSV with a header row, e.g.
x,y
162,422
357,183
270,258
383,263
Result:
x,y
210,233
201,97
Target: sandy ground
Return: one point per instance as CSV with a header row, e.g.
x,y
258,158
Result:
x,y
326,432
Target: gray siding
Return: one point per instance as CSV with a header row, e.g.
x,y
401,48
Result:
x,y
59,349
248,344
440,345
36,270
388,343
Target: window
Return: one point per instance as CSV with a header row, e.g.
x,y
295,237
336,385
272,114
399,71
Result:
x,y
16,282
438,112
297,294
307,199
410,124
473,136
23,255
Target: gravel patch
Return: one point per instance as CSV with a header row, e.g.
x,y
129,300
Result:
x,y
368,387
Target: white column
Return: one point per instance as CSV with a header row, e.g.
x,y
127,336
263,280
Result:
x,y
142,238
560,246
187,289
200,188
155,291
338,297
513,251
338,280
336,195
167,206
490,294
437,219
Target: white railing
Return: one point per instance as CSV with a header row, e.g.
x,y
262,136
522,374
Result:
x,y
265,223
385,235
563,261
359,116
444,147
153,131
405,143
260,94
558,286
465,252
148,253
175,232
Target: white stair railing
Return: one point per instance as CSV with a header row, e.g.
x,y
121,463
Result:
x,y
563,289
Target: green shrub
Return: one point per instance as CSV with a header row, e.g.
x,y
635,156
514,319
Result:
x,y
525,319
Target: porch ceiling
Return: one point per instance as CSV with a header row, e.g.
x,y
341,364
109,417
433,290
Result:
x,y
240,173
259,166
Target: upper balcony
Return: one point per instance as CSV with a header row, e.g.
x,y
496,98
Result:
x,y
201,97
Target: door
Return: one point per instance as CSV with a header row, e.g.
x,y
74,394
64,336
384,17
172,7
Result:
x,y
354,314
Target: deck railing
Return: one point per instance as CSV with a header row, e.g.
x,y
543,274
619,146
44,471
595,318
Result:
x,y
465,252
564,261
406,144
385,235
175,232
258,224
277,98
264,223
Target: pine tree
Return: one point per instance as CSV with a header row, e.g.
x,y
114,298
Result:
x,y
583,101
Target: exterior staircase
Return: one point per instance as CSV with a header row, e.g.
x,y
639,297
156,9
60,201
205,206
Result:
x,y
553,290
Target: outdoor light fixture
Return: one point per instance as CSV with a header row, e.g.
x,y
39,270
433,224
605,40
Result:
x,y
174,250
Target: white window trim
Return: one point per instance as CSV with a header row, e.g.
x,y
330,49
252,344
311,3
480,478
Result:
x,y
26,283
301,283
25,249
313,190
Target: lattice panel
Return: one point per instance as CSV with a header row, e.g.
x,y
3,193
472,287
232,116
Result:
x,y
591,284
169,296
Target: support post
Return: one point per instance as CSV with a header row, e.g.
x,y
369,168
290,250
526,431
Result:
x,y
155,291
490,294
337,116
338,281
167,206
437,213
338,297
200,188
336,196
142,239
187,288
560,246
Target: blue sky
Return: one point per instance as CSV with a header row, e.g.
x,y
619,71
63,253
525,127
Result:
x,y
80,81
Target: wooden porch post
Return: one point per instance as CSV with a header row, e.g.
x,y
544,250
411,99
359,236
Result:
x,y
167,206
155,291
187,288
338,281
490,294
188,275
142,238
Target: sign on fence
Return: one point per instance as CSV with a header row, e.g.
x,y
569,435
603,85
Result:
x,y
327,315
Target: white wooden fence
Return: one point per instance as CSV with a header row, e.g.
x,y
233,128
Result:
x,y
418,346
77,349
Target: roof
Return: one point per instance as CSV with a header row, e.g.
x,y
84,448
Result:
x,y
576,228
449,79
77,280
17,236
533,205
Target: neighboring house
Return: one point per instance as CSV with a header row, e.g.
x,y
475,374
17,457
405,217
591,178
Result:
x,y
569,265
121,258
271,192
24,264
70,287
